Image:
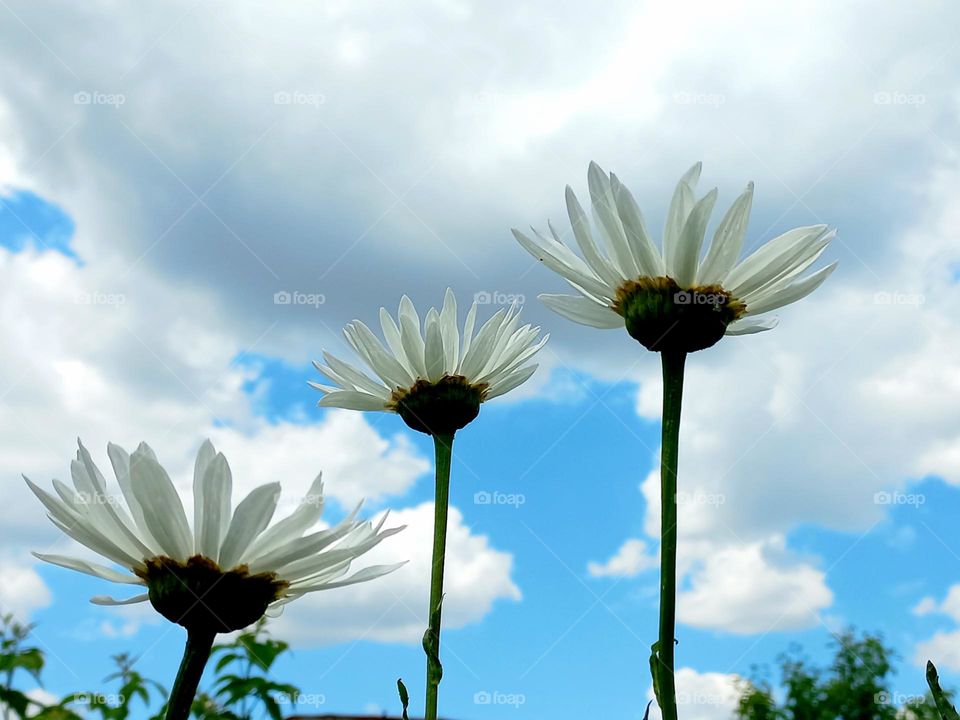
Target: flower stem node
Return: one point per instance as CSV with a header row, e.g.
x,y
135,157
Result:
x,y
439,408
664,317
201,597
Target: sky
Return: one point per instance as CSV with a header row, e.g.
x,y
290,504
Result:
x,y
168,173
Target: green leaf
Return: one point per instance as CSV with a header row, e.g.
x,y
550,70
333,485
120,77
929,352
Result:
x,y
944,706
15,700
404,697
655,671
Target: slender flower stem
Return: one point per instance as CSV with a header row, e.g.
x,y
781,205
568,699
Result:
x,y
443,445
195,656
670,441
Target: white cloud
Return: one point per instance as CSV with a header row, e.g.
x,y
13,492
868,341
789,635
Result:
x,y
742,589
944,647
926,606
393,609
22,590
703,696
357,462
631,559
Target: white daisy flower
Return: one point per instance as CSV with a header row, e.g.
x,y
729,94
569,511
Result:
x,y
434,377
680,299
227,571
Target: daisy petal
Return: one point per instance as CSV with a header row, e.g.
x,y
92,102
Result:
x,y
251,518
162,509
368,573
109,601
205,454
351,400
691,241
794,292
215,491
750,326
727,241
583,310
90,568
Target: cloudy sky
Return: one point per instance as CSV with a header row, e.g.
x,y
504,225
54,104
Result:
x,y
170,172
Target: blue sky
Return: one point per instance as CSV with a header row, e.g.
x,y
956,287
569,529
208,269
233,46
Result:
x,y
156,195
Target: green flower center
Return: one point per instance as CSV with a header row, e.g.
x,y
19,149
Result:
x,y
439,408
200,596
664,317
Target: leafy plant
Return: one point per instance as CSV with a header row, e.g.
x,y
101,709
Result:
x,y
14,658
243,688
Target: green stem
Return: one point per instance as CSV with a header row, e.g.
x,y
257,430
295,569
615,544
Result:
x,y
670,449
195,656
443,445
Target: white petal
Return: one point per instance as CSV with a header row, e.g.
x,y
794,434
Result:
x,y
770,258
727,241
413,344
581,231
450,333
111,518
90,568
391,333
680,206
691,240
251,518
562,261
368,573
648,258
205,454
482,345
354,376
215,493
109,601
794,292
582,310
749,326
468,332
351,400
120,460
510,382
91,538
366,344
433,348
293,526
162,509
605,207
81,529
299,548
